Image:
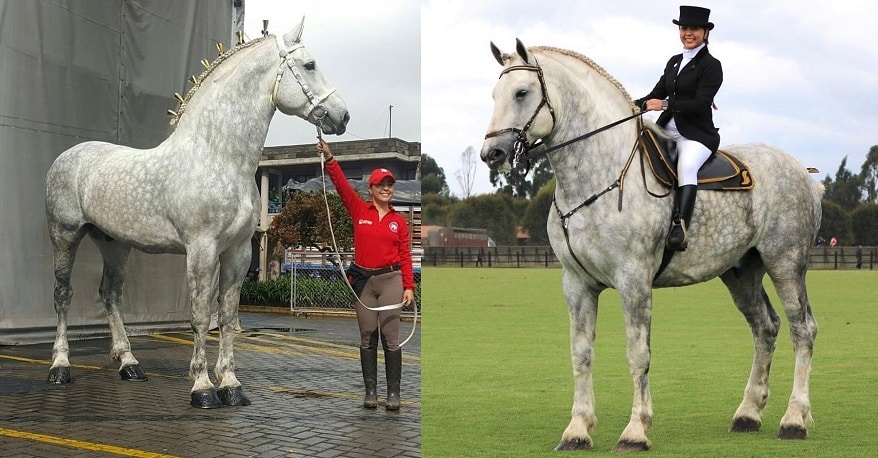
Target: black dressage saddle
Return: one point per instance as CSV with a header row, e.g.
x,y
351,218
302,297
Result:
x,y
721,172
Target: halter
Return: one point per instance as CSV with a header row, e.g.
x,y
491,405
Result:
x,y
286,56
521,145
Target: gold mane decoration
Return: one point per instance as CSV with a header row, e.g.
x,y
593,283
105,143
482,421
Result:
x,y
196,81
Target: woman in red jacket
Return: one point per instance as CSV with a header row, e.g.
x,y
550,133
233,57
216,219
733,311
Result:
x,y
383,264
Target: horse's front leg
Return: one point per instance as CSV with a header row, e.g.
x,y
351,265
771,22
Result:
x,y
233,269
202,266
637,307
115,255
582,302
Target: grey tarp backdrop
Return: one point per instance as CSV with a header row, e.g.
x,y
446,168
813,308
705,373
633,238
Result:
x,y
79,70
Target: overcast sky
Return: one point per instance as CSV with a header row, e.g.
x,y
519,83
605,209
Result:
x,y
369,50
800,75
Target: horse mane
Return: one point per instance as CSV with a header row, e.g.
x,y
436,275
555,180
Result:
x,y
586,60
181,108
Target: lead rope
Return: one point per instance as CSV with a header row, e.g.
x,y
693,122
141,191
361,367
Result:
x,y
338,255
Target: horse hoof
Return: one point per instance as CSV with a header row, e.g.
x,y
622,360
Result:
x,y
745,425
60,375
233,396
574,444
792,432
631,446
133,373
206,399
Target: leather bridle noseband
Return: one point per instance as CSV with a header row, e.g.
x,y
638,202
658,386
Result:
x,y
521,145
286,56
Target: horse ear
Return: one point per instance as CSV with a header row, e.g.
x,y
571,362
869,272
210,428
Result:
x,y
497,54
522,50
295,35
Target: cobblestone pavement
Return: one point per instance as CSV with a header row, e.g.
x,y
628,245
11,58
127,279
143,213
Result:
x,y
302,376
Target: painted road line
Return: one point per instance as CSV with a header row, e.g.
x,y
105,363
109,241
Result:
x,y
81,445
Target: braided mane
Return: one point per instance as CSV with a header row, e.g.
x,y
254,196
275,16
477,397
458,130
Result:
x,y
600,70
176,115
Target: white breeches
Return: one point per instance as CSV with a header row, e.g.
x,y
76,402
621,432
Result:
x,y
691,155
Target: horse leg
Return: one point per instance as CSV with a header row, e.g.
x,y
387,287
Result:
x,y
65,243
115,255
637,308
582,303
202,267
744,282
233,268
803,330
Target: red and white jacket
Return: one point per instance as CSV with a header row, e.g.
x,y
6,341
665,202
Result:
x,y
377,244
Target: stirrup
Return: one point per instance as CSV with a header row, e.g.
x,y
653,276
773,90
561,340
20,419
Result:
x,y
683,243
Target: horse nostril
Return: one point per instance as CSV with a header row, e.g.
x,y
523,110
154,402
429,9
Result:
x,y
346,118
495,154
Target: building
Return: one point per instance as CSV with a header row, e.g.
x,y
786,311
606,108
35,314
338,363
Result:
x,y
442,236
297,166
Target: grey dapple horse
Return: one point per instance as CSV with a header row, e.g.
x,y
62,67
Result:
x,y
555,95
193,194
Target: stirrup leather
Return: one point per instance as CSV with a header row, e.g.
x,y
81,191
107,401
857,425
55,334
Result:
x,y
684,242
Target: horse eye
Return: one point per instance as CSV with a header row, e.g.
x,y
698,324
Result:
x,y
310,66
522,93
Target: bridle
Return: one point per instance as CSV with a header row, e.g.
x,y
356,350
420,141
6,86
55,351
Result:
x,y
521,145
286,56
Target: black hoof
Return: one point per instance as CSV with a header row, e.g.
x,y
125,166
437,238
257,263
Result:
x,y
133,373
744,425
233,396
630,446
60,375
572,445
206,399
792,432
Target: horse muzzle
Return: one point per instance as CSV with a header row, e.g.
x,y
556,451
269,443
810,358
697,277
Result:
x,y
331,116
495,153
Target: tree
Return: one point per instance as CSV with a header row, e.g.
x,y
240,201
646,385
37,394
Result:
x,y
864,224
537,213
869,175
515,183
835,222
466,176
845,190
432,177
494,212
435,208
303,222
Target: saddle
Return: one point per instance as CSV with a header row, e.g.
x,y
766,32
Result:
x,y
721,172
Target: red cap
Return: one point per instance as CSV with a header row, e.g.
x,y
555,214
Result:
x,y
380,174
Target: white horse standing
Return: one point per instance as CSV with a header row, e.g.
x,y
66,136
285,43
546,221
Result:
x,y
555,95
193,194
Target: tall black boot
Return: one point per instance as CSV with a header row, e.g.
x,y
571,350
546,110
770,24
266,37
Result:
x,y
393,366
369,363
684,204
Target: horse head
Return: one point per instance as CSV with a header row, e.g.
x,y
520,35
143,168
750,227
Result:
x,y
301,90
523,113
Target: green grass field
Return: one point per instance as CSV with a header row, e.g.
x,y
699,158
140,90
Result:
x,y
497,380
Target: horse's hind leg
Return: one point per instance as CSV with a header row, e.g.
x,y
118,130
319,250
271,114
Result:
x,y
745,285
233,269
115,255
803,330
65,242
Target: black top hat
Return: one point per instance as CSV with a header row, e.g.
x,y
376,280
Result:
x,y
694,16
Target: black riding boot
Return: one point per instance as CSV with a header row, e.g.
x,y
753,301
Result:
x,y
684,204
369,362
393,366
